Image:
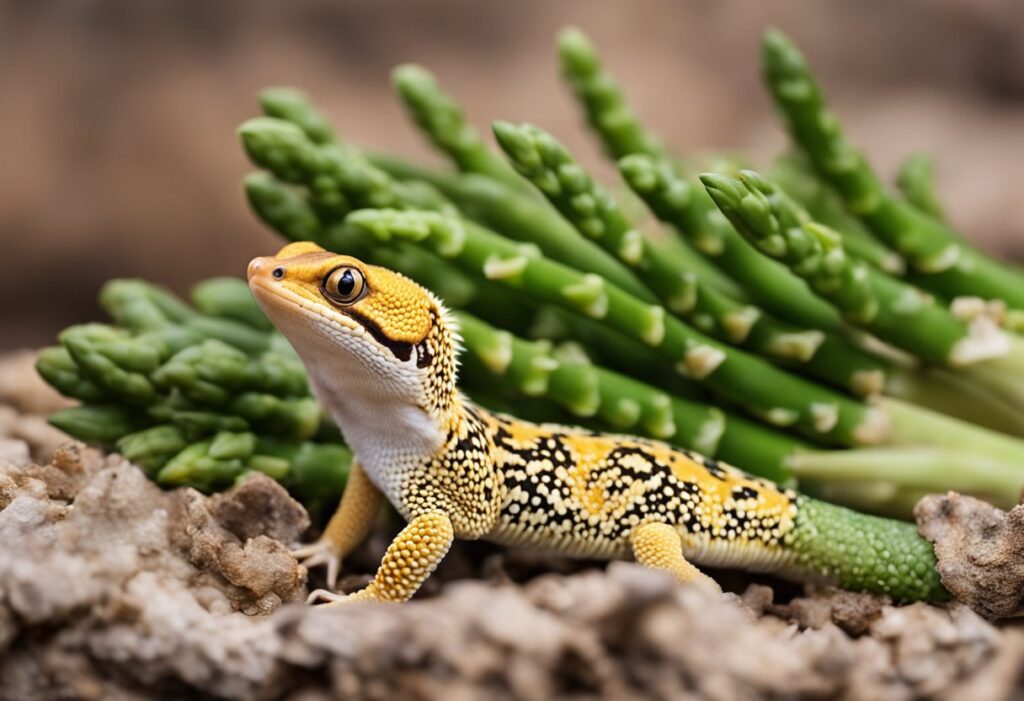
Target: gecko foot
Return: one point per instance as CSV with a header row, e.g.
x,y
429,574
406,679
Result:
x,y
326,597
322,552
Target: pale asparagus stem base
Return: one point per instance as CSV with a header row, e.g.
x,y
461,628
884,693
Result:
x,y
881,498
954,394
1004,377
919,427
914,470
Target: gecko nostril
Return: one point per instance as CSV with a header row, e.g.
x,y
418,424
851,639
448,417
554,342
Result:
x,y
278,272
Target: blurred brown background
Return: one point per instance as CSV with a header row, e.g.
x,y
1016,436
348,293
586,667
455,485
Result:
x,y
117,118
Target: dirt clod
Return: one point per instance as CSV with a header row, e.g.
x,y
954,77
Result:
x,y
980,551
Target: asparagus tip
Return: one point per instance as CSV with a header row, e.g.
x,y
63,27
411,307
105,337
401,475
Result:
x,y
273,98
411,78
258,129
576,51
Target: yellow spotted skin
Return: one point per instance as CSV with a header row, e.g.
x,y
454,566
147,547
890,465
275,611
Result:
x,y
582,493
383,363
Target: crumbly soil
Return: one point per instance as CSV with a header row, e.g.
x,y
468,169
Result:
x,y
111,588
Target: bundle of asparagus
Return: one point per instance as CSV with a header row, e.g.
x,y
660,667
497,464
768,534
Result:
x,y
802,324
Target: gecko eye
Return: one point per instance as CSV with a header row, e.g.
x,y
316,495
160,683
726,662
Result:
x,y
344,285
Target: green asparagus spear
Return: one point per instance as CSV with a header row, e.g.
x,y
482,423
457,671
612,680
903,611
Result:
x,y
339,181
57,367
675,201
210,464
941,261
151,448
622,134
282,208
444,123
294,106
771,393
103,424
795,175
916,181
605,106
894,311
546,163
230,298
111,359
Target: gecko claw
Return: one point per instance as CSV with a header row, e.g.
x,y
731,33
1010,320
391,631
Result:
x,y
320,553
326,597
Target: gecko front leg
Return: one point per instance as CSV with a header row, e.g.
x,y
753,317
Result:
x,y
348,527
659,546
409,560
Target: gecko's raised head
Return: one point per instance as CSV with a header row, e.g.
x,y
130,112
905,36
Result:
x,y
358,327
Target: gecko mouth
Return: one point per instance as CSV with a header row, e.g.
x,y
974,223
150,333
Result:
x,y
345,320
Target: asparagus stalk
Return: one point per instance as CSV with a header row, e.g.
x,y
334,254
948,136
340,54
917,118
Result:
x,y
443,121
498,199
224,297
57,367
546,163
941,261
916,181
675,201
894,311
605,107
152,448
510,213
621,133
760,387
340,181
281,208
294,106
103,424
797,178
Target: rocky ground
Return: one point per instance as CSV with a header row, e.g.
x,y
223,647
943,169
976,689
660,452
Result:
x,y
113,589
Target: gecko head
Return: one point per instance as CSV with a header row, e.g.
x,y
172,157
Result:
x,y
367,331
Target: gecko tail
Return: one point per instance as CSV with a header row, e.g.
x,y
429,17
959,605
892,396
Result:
x,y
860,552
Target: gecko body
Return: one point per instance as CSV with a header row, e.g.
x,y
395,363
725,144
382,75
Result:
x,y
382,352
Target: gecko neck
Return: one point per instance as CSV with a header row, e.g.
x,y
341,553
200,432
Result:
x,y
392,422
